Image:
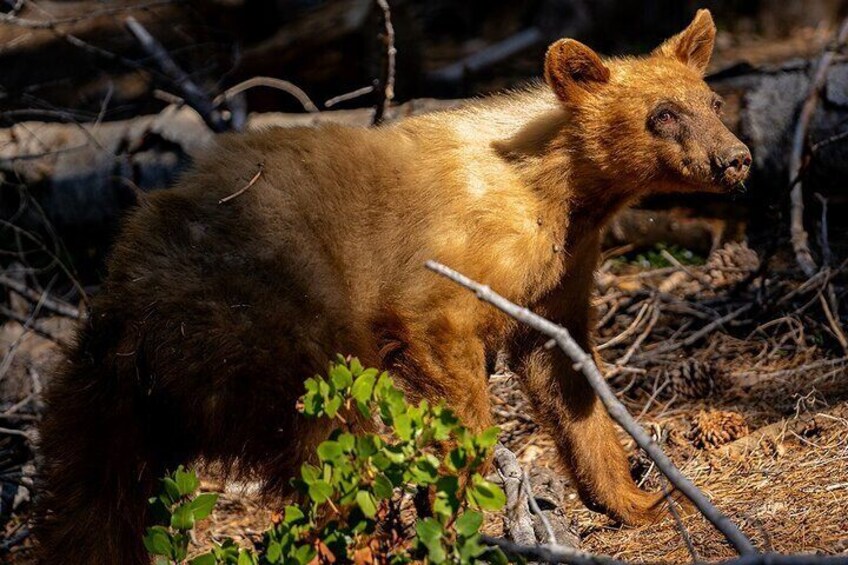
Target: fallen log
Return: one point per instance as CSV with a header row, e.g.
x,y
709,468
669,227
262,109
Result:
x,y
83,175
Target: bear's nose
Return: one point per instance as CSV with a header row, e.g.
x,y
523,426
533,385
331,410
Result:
x,y
737,159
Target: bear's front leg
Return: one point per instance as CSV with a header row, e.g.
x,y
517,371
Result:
x,y
586,438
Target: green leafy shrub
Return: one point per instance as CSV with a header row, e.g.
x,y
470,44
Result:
x,y
354,495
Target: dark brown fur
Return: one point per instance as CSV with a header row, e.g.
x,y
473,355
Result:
x,y
214,313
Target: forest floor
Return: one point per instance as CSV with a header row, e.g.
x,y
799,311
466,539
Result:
x,y
753,409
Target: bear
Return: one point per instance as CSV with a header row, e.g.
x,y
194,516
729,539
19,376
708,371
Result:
x,y
284,247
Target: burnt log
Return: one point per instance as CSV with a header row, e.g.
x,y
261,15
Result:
x,y
84,175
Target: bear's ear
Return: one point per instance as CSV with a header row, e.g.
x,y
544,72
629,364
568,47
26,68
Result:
x,y
694,45
572,69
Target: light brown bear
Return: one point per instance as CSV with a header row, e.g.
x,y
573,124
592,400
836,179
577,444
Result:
x,y
213,313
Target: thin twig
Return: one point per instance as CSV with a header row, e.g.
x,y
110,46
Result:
x,y
584,362
243,189
349,96
697,336
387,82
827,254
56,306
269,82
192,94
800,240
534,506
681,527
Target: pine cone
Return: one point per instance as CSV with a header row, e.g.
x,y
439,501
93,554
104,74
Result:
x,y
731,263
693,379
715,428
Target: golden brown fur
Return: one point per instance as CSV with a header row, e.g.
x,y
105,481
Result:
x,y
214,313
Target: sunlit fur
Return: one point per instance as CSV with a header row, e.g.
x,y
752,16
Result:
x,y
213,314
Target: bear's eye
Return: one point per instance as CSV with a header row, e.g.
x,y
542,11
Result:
x,y
718,105
665,121
666,116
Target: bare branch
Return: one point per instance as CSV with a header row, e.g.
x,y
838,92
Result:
x,y
516,512
192,94
349,96
800,240
57,306
387,83
269,82
585,363
549,553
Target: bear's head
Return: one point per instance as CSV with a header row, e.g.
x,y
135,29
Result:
x,y
651,120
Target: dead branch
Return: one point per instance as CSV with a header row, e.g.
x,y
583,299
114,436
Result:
x,y
585,363
268,82
517,520
387,82
534,506
192,94
35,297
800,240
491,55
550,553
700,334
353,94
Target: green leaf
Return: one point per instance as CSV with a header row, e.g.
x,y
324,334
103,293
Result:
x,y
274,552
157,541
347,442
485,495
341,377
403,426
293,514
329,450
172,491
305,554
205,559
366,503
320,491
456,459
182,518
425,471
355,366
245,558
470,548
383,487
469,523
180,546
310,473
489,437
332,405
430,535
203,505
187,481
367,446
363,387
